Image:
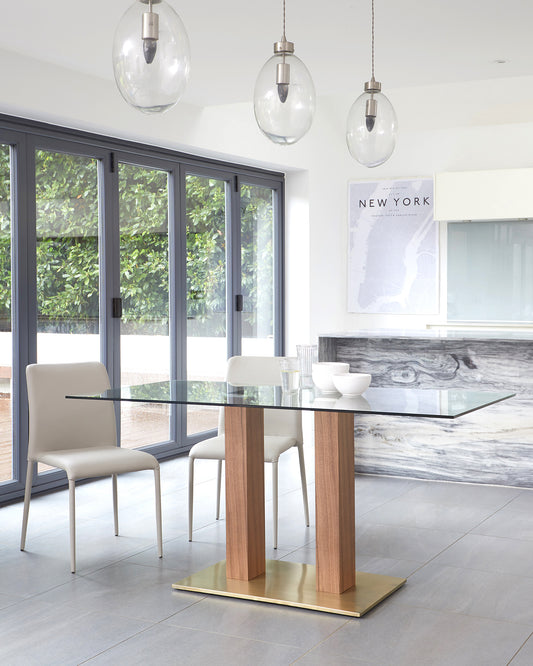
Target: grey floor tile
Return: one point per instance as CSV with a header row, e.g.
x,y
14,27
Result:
x,y
378,565
305,555
259,621
478,593
524,501
175,512
126,589
208,547
9,599
386,566
48,513
429,515
487,553
401,542
403,636
373,491
317,657
28,573
466,597
166,645
514,521
292,530
463,494
38,633
524,656
96,544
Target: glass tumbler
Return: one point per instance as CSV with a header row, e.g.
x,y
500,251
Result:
x,y
290,374
307,355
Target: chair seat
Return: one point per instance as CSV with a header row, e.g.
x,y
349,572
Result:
x,y
98,461
215,447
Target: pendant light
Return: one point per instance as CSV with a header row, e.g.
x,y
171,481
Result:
x,y
372,126
151,59
284,95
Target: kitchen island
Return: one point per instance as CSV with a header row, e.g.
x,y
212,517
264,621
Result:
x,y
494,446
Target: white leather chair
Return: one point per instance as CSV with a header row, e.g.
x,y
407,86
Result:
x,y
283,430
78,436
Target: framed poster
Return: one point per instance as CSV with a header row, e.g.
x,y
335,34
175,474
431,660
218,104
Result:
x,y
393,248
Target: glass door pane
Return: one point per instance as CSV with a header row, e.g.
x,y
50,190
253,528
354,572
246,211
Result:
x,y
257,270
144,289
6,355
67,257
206,289
66,191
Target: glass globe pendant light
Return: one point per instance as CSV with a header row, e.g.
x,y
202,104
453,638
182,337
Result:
x,y
372,125
151,56
284,95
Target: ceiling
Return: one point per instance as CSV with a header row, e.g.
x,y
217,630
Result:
x,y
417,43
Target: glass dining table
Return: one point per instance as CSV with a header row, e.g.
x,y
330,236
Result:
x,y
333,584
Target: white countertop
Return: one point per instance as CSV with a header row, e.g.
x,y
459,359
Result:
x,y
505,335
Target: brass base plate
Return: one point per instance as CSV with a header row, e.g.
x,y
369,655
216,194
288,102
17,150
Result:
x,y
293,584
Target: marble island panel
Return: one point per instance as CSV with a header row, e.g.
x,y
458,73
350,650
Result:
x,y
493,445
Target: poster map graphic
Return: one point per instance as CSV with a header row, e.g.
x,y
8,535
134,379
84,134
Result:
x,y
393,248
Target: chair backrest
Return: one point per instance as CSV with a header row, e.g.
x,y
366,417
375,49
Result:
x,y
57,423
263,371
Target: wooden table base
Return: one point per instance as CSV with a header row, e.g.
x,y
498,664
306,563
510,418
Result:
x,y
292,584
333,585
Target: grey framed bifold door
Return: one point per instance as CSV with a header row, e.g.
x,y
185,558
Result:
x,y
144,279
234,277
66,272
159,264
261,267
208,209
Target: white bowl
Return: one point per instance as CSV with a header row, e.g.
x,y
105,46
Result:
x,y
323,374
351,383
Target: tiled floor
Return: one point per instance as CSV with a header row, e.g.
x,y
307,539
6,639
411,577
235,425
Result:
x,y
467,552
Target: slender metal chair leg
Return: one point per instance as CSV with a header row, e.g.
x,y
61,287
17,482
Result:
x,y
275,501
219,484
304,482
191,494
72,519
157,478
115,503
27,497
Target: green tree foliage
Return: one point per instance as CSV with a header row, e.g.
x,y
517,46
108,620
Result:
x,y
68,253
144,275
67,241
206,256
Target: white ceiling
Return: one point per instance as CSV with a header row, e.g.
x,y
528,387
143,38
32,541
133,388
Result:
x,y
417,43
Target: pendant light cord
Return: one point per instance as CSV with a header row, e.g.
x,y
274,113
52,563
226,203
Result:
x,y
283,39
372,38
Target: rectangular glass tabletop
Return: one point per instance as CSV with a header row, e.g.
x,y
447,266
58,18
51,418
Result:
x,y
436,403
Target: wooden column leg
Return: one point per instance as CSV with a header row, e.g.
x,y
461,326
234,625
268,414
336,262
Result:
x,y
335,503
245,492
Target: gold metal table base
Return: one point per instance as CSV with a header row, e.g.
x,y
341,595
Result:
x,y
293,584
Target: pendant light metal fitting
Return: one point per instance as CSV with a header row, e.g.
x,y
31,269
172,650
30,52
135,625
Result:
x,y
283,47
150,33
372,86
371,110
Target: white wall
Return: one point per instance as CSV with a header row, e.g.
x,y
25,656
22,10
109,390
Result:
x,y
481,125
